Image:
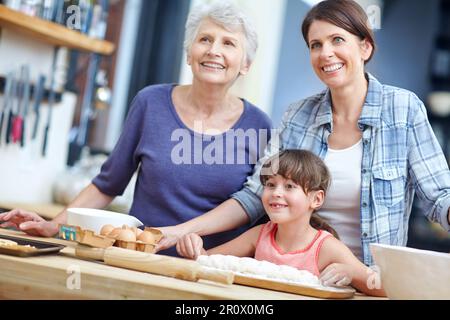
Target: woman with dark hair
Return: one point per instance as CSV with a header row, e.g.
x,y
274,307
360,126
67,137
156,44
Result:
x,y
375,139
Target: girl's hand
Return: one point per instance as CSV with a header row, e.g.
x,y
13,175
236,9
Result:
x,y
28,222
190,246
336,274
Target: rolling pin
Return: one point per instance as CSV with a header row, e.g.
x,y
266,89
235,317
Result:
x,y
154,263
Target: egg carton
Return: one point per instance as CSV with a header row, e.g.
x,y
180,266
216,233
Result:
x,y
86,237
148,246
90,238
136,245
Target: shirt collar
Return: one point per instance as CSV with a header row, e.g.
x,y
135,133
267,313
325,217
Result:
x,y
371,113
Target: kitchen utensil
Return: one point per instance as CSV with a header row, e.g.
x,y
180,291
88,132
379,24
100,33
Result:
x,y
17,118
48,9
81,133
154,263
408,273
11,114
26,104
86,10
94,219
51,101
36,247
19,121
38,95
59,12
6,99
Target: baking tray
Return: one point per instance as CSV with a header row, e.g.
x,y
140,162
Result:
x,y
41,247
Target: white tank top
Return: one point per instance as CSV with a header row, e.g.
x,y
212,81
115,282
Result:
x,y
342,203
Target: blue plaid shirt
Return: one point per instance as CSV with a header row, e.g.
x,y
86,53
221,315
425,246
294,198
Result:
x,y
401,157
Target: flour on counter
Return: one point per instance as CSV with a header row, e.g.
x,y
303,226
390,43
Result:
x,y
7,243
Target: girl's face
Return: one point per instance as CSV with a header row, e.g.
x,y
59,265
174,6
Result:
x,y
337,56
217,56
285,201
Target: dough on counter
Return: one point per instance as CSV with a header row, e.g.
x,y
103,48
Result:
x,y
7,243
250,266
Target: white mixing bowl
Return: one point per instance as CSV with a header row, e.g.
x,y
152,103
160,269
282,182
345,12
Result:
x,y
408,273
94,219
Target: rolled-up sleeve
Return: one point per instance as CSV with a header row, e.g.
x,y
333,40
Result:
x,y
429,169
443,207
251,203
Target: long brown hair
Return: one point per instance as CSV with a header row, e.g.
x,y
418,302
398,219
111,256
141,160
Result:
x,y
345,14
305,169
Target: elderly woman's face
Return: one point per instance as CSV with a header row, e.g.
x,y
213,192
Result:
x,y
337,56
217,55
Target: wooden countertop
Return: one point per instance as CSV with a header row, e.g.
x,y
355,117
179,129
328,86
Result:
x,y
46,277
47,211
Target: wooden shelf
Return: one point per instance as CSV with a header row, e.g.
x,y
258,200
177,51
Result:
x,y
52,33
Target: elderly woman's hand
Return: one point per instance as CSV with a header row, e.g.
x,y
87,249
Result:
x,y
170,237
28,222
190,246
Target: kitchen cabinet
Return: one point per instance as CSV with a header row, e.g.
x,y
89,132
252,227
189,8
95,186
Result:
x,y
27,173
52,33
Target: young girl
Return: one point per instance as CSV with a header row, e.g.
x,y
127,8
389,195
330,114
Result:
x,y
295,183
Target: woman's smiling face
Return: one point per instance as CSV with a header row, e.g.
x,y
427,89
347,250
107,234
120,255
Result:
x,y
337,56
217,55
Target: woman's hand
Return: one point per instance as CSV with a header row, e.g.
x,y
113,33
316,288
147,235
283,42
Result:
x,y
336,274
190,246
28,222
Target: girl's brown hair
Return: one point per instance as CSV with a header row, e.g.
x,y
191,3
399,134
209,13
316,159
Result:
x,y
305,169
345,14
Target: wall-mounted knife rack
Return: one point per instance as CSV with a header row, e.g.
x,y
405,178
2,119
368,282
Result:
x,y
58,95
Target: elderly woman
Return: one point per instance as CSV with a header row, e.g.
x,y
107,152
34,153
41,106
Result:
x,y
185,141
375,139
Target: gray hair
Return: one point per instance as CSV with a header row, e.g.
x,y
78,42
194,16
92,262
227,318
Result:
x,y
228,16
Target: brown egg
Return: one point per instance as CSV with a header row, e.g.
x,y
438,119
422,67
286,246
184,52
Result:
x,y
146,237
114,233
137,231
126,235
106,229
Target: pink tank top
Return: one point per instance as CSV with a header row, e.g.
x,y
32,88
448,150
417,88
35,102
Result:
x,y
305,259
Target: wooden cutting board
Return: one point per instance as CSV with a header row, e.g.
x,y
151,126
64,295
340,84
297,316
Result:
x,y
318,292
